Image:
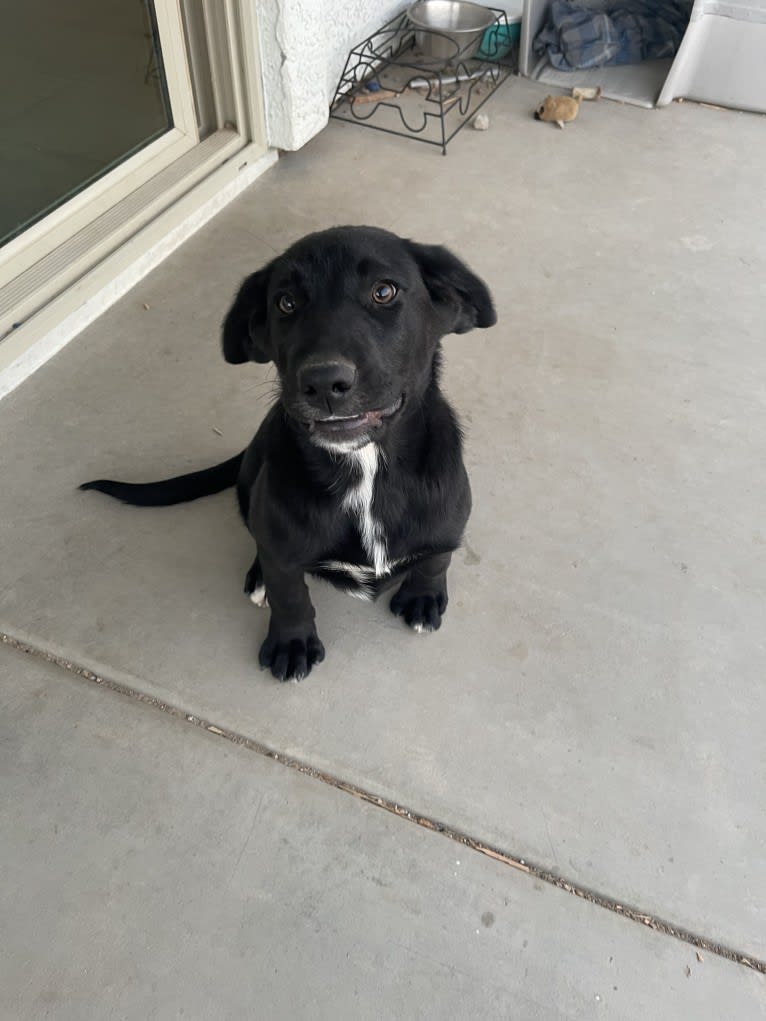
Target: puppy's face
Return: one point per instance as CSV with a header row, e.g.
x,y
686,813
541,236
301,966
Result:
x,y
352,317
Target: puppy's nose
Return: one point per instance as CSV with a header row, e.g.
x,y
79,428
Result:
x,y
327,379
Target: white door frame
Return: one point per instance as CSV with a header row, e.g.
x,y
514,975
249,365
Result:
x,y
114,232
71,216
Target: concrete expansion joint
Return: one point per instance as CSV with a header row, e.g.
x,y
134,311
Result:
x,y
660,925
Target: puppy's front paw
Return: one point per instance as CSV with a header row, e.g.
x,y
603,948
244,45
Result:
x,y
421,610
291,658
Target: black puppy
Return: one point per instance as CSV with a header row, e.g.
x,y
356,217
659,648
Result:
x,y
356,474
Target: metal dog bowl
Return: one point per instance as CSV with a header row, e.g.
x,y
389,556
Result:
x,y
449,28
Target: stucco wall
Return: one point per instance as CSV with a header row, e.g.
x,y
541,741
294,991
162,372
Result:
x,y
304,45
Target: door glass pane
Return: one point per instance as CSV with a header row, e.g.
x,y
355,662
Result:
x,y
82,87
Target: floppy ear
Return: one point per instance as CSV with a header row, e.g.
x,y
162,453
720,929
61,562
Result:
x,y
461,298
246,327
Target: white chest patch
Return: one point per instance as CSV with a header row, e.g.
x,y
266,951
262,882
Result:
x,y
358,501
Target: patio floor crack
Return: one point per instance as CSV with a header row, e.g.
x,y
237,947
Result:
x,y
411,815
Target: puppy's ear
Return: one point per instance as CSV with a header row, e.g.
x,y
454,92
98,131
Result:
x,y
460,298
246,326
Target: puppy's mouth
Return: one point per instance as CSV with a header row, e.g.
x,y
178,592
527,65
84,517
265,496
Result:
x,y
347,426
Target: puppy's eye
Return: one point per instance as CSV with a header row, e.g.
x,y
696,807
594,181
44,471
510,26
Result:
x,y
286,304
384,292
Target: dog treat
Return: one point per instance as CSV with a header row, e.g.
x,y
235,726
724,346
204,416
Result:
x,y
373,97
481,122
589,94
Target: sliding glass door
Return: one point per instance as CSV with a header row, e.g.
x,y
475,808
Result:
x,y
87,88
118,122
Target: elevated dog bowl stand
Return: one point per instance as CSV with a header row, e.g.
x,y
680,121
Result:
x,y
391,86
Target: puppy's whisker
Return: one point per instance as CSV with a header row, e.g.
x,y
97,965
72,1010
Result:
x,y
266,389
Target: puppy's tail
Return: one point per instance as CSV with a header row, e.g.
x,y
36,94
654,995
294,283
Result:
x,y
180,489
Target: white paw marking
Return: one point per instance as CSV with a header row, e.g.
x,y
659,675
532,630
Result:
x,y
422,629
258,596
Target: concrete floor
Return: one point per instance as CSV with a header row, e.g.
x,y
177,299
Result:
x,y
593,704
